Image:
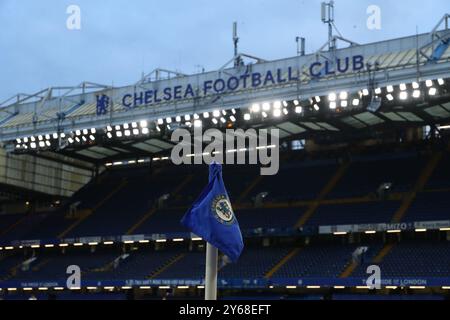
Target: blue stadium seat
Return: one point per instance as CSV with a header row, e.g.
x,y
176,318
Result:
x,y
354,213
317,261
429,206
367,173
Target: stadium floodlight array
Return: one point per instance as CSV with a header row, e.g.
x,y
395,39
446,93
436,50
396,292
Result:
x,y
337,102
46,141
215,118
128,130
334,101
56,140
343,100
271,110
84,136
222,118
410,92
79,137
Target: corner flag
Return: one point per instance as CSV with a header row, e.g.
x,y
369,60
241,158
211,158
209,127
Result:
x,y
212,218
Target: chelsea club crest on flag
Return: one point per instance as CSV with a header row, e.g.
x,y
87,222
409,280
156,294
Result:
x,y
212,218
221,206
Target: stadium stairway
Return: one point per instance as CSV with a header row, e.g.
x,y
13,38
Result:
x,y
349,269
98,205
12,272
41,264
282,262
328,187
249,189
104,268
420,184
182,185
167,265
383,252
14,225
144,218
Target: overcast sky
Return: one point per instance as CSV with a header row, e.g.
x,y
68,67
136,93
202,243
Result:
x,y
120,39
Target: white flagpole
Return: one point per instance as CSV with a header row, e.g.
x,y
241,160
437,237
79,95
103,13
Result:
x,y
211,272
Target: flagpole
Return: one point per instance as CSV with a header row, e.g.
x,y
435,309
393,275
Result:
x,y
211,272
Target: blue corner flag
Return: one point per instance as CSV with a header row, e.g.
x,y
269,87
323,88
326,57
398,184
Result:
x,y
212,218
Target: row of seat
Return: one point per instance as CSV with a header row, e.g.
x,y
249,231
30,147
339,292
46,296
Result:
x,y
318,260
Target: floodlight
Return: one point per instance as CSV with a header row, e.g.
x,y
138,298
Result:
x,y
403,95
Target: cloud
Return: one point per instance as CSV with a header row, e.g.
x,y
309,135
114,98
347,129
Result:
x,y
121,39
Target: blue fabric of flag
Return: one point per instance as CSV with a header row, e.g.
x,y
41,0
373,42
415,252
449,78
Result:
x,y
212,218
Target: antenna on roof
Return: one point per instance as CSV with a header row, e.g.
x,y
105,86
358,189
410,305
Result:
x,y
328,18
300,46
327,13
237,58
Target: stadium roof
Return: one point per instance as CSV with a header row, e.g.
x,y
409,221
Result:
x,y
399,82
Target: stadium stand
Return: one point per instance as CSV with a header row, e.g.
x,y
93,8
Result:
x,y
258,262
139,263
317,261
297,181
52,266
101,202
188,266
413,259
429,206
440,179
330,200
354,213
369,172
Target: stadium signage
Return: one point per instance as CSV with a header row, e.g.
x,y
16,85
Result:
x,y
329,68
232,83
404,282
